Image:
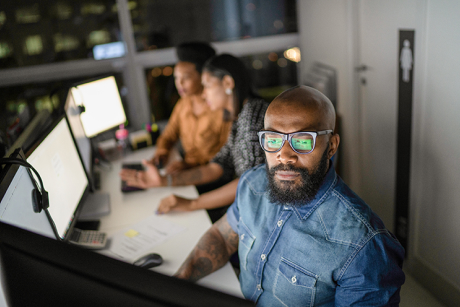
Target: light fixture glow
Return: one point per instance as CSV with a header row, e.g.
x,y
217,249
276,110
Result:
x,y
293,54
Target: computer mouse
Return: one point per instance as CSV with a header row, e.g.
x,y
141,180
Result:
x,y
149,261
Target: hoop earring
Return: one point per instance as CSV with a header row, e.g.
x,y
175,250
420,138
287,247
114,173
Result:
x,y
228,91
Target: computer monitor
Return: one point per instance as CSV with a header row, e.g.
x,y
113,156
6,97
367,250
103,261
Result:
x,y
57,161
103,108
97,204
38,271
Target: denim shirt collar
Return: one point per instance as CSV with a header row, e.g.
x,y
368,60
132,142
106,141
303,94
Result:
x,y
303,212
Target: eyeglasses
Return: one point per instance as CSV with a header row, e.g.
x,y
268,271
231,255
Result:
x,y
301,142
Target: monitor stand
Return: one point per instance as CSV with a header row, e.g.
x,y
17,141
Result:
x,y
96,205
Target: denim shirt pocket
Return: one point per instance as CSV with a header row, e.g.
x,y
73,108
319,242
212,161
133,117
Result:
x,y
294,286
246,240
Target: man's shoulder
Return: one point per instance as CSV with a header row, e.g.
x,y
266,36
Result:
x,y
255,179
346,216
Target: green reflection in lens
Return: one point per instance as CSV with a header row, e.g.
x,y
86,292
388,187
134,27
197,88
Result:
x,y
301,144
273,142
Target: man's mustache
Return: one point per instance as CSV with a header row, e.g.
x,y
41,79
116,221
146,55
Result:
x,y
285,167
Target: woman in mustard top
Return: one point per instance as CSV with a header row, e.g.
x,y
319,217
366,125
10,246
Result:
x,y
202,131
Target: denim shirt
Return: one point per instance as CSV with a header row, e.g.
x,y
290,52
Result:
x,y
332,251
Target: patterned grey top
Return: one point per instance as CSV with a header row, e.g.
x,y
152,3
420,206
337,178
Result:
x,y
242,150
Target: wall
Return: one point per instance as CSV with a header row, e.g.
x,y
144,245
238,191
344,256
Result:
x,y
328,33
435,173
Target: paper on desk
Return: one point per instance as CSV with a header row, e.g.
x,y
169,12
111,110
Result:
x,y
136,240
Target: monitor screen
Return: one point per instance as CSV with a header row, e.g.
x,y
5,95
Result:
x,y
102,102
83,143
57,161
39,271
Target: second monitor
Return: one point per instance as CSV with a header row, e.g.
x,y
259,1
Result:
x,y
102,106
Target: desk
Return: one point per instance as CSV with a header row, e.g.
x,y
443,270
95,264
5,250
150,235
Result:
x,y
130,208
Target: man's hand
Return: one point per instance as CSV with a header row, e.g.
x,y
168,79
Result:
x,y
142,179
175,203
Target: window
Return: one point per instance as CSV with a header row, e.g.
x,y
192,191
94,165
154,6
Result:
x,y
55,31
161,24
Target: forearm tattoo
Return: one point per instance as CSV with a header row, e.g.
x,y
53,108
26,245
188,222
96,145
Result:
x,y
202,267
229,236
211,253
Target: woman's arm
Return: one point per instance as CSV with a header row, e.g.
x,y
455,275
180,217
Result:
x,y
151,178
217,198
197,175
169,136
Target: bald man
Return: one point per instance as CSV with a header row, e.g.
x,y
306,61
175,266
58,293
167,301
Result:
x,y
302,236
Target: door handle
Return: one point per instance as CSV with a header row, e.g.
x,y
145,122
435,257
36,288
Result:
x,y
362,68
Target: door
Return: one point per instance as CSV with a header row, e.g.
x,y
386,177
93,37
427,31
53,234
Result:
x,y
378,26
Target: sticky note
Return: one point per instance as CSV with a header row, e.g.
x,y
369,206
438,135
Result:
x,y
131,233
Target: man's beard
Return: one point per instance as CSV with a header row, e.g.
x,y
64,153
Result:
x,y
283,192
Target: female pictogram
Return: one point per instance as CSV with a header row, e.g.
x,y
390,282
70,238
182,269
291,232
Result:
x,y
406,61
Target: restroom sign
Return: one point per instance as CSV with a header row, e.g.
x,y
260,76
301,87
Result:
x,y
406,65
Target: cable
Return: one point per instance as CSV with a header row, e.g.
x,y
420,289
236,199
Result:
x,y
44,203
53,226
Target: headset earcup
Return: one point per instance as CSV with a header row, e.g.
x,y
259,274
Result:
x,y
45,200
36,200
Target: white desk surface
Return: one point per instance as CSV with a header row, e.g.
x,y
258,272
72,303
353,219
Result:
x,y
130,208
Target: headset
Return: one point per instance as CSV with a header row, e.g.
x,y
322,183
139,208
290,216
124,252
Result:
x,y
40,199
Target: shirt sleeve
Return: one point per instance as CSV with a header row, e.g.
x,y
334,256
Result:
x,y
233,216
374,276
233,212
224,156
170,135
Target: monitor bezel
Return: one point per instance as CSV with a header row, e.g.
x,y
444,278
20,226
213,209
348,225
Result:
x,y
32,266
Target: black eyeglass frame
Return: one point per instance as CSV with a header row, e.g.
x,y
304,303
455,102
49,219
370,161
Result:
x,y
288,137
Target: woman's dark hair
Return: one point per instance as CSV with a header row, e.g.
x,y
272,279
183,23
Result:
x,y
195,52
226,64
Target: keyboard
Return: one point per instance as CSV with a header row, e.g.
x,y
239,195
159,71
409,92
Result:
x,y
126,188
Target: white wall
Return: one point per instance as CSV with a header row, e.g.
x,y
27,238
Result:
x,y
436,173
327,34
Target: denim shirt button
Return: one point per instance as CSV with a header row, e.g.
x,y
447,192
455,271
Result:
x,y
262,256
294,279
259,287
242,237
280,222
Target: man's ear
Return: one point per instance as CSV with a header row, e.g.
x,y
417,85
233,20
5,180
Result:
x,y
334,142
228,82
